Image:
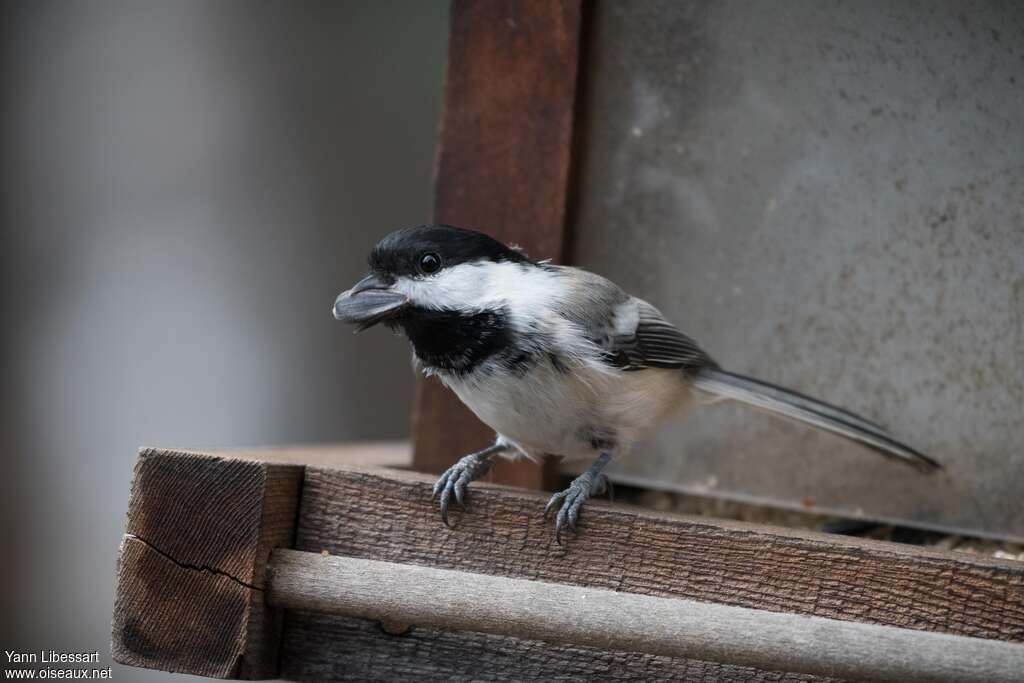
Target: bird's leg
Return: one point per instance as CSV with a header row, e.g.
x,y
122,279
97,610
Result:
x,y
590,483
457,477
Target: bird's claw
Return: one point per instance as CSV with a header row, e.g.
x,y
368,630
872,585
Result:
x,y
572,499
455,480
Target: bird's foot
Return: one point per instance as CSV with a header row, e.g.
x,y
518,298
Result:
x,y
455,480
582,487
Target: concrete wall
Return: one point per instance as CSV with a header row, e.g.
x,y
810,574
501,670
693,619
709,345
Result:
x,y
828,196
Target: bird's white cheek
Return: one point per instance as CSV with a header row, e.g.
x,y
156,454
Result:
x,y
422,293
459,288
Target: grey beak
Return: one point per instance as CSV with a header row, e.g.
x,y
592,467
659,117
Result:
x,y
370,301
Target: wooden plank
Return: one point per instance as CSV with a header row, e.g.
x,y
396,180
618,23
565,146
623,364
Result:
x,y
561,614
503,168
389,516
362,453
189,594
323,648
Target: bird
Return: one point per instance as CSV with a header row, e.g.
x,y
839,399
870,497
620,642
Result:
x,y
557,360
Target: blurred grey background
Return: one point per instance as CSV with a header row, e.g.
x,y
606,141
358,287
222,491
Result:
x,y
187,185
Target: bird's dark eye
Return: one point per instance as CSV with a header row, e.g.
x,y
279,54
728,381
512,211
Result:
x,y
430,263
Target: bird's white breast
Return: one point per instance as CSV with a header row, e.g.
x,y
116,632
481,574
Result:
x,y
553,407
546,411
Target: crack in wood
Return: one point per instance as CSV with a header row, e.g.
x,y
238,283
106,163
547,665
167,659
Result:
x,y
192,567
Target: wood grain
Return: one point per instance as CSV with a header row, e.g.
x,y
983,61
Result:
x,y
364,651
502,168
189,596
562,615
361,453
389,516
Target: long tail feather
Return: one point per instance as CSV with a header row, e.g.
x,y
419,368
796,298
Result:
x,y
795,406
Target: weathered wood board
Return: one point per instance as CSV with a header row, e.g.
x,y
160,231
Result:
x,y
563,615
201,527
503,168
389,515
370,653
189,596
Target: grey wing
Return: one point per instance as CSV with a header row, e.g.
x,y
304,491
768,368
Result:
x,y
657,343
654,342
632,334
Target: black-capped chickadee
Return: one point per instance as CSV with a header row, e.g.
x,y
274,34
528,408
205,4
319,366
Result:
x,y
557,360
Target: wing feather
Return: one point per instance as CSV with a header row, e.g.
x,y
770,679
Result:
x,y
655,343
631,333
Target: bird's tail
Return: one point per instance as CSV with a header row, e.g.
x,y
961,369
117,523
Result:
x,y
811,411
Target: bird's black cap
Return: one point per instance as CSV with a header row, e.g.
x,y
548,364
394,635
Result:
x,y
400,252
